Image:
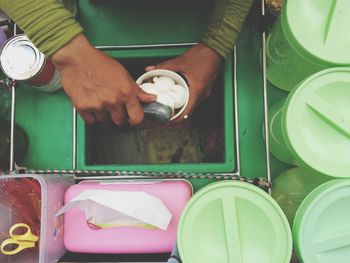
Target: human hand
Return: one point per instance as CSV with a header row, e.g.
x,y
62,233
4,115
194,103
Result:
x,y
200,65
98,84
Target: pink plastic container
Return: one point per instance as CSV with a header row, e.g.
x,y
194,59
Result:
x,y
50,245
79,237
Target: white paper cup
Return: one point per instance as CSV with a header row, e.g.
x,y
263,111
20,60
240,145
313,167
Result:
x,y
171,74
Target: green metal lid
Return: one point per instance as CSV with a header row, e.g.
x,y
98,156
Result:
x,y
321,229
319,28
233,222
316,122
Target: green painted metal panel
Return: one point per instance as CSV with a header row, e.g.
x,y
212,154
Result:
x,y
124,22
47,121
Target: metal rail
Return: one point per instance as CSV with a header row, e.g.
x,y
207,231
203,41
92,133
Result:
x,y
13,119
264,78
140,46
236,122
74,140
13,114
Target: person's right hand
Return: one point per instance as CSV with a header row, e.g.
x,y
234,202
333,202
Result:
x,y
98,84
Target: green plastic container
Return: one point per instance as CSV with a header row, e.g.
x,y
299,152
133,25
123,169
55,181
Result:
x,y
292,186
232,222
321,229
315,123
130,148
308,37
278,146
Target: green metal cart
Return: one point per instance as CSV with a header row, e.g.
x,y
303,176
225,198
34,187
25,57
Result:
x,y
130,31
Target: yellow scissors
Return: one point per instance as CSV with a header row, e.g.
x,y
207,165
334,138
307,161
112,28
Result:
x,y
27,240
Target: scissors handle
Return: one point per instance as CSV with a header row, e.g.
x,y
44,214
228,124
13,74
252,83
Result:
x,y
20,246
27,236
27,240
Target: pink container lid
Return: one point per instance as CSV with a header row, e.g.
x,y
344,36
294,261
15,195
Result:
x,y
79,237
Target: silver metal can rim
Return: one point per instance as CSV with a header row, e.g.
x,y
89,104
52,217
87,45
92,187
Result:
x,y
16,41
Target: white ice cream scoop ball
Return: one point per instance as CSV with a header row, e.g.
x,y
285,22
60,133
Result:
x,y
179,95
163,83
150,88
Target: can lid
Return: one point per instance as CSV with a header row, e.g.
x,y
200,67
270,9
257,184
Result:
x,y
20,59
316,122
321,229
232,221
319,28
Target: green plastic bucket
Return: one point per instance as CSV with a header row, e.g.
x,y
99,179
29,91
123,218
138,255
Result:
x,y
315,123
278,146
308,37
292,186
233,222
321,229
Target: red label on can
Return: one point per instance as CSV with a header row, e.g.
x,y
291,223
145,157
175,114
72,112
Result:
x,y
45,75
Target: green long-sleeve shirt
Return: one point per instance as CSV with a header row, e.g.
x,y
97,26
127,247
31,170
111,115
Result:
x,y
225,25
50,26
46,22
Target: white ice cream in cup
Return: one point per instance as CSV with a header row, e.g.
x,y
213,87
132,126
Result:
x,y
152,75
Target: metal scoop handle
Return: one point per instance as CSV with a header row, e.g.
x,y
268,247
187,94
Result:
x,y
156,111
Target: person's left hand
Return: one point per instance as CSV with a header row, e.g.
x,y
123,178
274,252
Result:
x,y
199,65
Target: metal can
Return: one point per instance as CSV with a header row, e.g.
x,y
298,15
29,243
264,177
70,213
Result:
x,y
22,61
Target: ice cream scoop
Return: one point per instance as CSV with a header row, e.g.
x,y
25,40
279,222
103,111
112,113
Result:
x,y
162,109
166,99
157,112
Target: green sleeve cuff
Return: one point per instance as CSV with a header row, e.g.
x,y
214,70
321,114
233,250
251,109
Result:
x,y
46,22
225,25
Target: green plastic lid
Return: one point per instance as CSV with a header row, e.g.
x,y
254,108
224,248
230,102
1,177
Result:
x,y
278,146
320,28
233,222
316,122
321,229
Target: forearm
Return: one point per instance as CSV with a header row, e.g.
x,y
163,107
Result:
x,y
46,22
226,23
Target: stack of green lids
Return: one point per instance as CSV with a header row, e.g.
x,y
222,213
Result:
x,y
310,36
321,229
278,146
316,122
233,222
